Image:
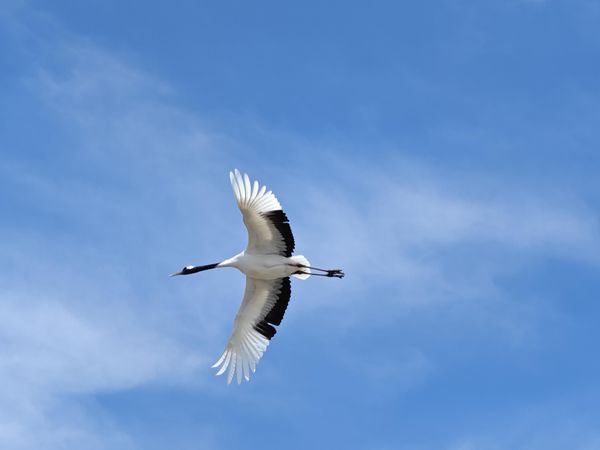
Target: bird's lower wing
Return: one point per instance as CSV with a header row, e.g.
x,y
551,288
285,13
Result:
x,y
264,305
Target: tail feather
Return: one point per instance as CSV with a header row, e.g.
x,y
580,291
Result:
x,y
300,259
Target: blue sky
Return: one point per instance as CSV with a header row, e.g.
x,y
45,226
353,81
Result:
x,y
443,153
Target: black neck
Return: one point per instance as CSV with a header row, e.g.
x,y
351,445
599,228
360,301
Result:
x,y
194,269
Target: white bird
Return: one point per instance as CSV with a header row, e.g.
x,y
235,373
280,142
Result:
x,y
268,264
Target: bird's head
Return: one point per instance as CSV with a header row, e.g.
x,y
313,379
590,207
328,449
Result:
x,y
187,270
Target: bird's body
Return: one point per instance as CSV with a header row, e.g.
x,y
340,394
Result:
x,y
263,267
268,264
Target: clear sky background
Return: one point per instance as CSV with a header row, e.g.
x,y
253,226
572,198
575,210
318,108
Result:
x,y
444,153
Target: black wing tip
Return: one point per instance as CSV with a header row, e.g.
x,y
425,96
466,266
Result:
x,y
281,222
265,329
275,315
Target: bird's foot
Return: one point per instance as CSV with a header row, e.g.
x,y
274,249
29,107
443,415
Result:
x,y
335,273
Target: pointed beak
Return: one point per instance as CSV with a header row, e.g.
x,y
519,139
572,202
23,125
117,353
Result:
x,y
175,274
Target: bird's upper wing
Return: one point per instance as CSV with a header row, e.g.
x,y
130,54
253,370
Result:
x,y
264,305
269,232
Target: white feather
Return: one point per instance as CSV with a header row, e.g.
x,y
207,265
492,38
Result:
x,y
246,345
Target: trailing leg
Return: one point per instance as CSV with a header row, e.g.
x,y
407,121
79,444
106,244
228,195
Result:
x,y
329,273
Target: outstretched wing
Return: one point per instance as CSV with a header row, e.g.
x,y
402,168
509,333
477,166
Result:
x,y
264,305
269,232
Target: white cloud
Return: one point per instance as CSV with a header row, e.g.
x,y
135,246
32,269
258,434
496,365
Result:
x,y
53,351
76,318
418,241
420,226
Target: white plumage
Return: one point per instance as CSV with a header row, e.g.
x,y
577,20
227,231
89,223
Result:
x,y
246,345
268,263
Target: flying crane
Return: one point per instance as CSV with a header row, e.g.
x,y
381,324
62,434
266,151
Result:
x,y
268,264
